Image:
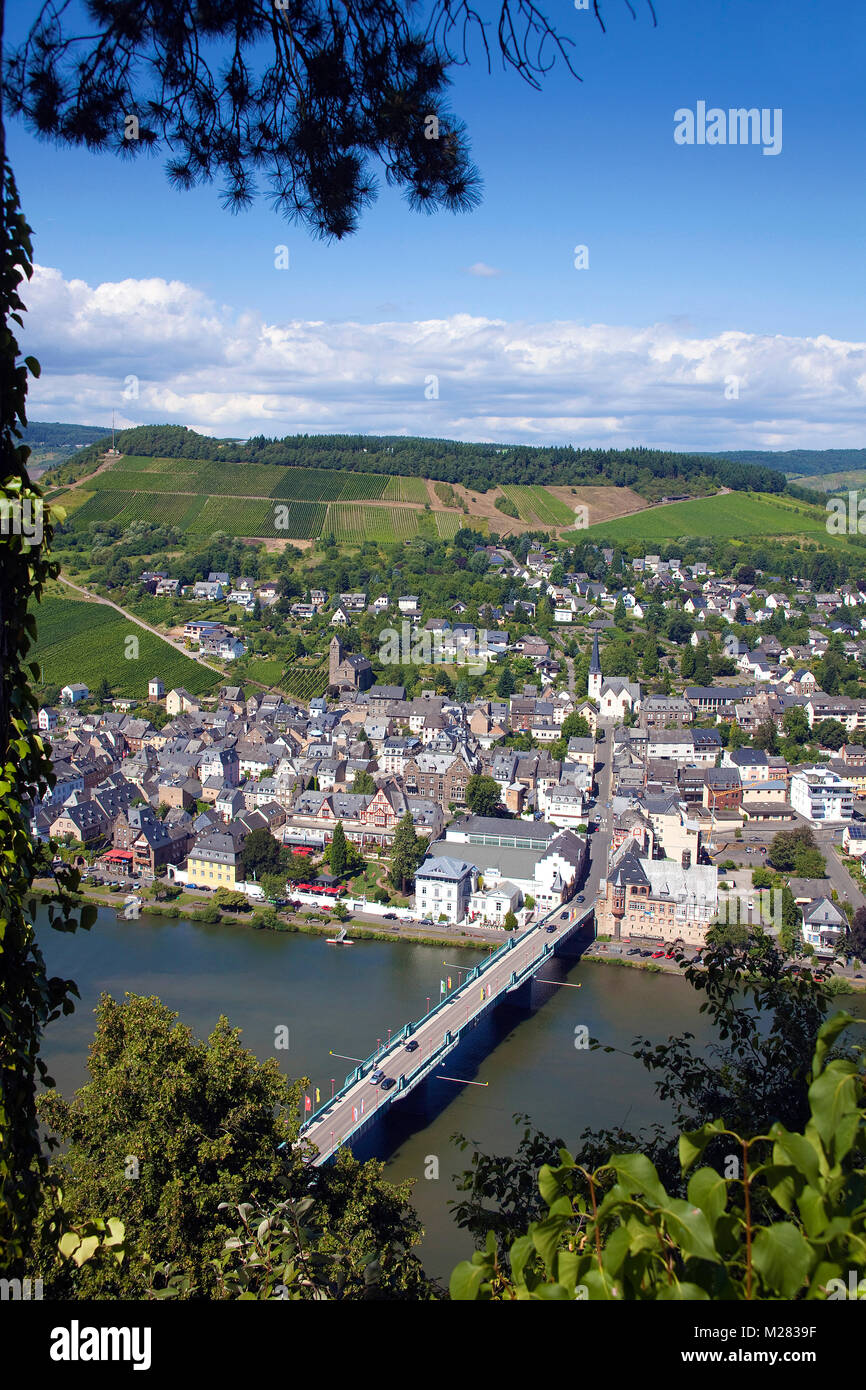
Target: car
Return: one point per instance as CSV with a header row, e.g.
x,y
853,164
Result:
x,y
551,928
580,898
389,917
425,922
633,952
412,1045
657,955
387,1083
644,954
376,1076
563,916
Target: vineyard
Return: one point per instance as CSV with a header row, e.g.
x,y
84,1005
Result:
x,y
536,505
449,523
80,641
306,682
406,490
355,524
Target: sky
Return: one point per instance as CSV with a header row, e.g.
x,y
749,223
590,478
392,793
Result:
x,y
718,303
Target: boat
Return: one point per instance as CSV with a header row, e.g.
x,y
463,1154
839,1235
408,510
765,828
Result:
x,y
340,939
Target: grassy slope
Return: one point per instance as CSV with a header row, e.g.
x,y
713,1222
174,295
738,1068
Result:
x,y
732,514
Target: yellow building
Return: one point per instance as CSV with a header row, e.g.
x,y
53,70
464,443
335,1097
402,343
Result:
x,y
215,859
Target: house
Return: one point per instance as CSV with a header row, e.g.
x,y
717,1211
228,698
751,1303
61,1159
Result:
x,y
179,701
444,887
408,604
47,719
155,690
215,858
208,590
825,926
74,694
656,899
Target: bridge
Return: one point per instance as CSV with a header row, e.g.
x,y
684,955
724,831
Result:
x,y
359,1104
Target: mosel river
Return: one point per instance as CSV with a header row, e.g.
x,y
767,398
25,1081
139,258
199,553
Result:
x,y
338,1000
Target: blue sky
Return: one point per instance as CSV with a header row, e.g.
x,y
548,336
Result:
x,y
706,264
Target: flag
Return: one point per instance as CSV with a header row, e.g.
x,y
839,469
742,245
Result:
x,y
362,1105
308,1104
354,1112
318,1095
441,986
449,981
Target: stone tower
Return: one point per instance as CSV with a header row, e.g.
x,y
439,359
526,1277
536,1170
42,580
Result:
x,y
335,660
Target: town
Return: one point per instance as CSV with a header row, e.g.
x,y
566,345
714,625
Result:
x,y
656,801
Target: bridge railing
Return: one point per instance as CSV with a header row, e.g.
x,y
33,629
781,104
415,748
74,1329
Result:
x,y
408,1029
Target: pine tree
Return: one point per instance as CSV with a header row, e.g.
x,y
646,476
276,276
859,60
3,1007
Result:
x,y
406,854
338,850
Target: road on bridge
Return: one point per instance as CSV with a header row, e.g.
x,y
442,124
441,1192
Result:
x,y
337,1124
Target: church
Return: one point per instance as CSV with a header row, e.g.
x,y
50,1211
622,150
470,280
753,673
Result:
x,y
348,669
614,694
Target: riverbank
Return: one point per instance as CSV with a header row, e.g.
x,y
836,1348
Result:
x,y
843,983
188,908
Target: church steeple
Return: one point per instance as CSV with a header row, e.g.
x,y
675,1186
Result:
x,y
593,686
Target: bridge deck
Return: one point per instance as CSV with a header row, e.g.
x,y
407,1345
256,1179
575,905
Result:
x,y
359,1101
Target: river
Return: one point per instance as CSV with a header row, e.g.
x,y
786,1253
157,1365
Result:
x,y
343,1000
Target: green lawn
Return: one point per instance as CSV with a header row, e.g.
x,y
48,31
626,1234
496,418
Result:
x,y
733,515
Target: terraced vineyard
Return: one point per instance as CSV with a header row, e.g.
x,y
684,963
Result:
x,y
536,505
306,682
406,490
355,524
731,514
449,523
81,641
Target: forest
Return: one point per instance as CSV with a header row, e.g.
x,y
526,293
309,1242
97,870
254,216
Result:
x,y
653,473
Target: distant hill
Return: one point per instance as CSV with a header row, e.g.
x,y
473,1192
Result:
x,y
655,474
805,462
65,439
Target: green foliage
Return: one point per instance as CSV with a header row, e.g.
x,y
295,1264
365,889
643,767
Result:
x,y
407,852
29,998
337,847
790,1224
482,795
794,851
202,1122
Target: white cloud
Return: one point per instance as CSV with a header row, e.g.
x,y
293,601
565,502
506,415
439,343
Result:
x,y
218,370
484,272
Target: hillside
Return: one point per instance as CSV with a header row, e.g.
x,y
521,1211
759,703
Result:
x,y
801,463
269,502
654,474
731,515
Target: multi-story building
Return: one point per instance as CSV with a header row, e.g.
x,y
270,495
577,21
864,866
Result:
x,y
822,796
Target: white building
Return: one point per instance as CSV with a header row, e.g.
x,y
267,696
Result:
x,y
444,887
822,796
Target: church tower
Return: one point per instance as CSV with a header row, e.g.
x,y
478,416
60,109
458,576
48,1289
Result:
x,y
335,660
593,685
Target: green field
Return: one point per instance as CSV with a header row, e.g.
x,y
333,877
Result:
x,y
267,670
241,516
730,515
536,505
81,641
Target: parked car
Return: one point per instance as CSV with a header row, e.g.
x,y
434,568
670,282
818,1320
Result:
x,y
634,952
658,955
389,917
